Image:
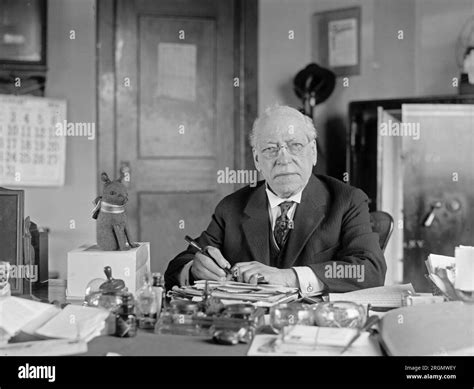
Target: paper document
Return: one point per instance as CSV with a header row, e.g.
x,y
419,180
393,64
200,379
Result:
x,y
313,341
17,314
75,322
54,347
439,261
382,296
262,295
464,275
436,262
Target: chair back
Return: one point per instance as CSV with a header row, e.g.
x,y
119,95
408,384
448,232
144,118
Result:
x,y
382,224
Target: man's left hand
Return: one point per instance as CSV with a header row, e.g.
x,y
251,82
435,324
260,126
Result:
x,y
249,272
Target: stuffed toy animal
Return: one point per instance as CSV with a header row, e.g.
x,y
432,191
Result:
x,y
112,229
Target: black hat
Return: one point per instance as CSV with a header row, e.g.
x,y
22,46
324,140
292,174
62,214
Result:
x,y
314,82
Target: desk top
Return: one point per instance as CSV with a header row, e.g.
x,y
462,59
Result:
x,y
148,344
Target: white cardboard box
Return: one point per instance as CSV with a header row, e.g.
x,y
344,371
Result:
x,y
87,263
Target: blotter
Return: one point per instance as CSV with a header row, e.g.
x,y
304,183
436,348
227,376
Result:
x,y
433,329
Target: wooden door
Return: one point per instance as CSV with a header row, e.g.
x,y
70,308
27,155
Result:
x,y
171,81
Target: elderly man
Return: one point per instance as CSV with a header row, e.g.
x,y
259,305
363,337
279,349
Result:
x,y
293,228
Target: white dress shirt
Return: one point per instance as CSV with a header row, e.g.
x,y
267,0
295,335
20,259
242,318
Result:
x,y
308,283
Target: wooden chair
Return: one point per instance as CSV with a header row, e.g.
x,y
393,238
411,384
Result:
x,y
382,224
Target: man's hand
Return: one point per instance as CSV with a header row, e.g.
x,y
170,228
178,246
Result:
x,y
249,272
204,268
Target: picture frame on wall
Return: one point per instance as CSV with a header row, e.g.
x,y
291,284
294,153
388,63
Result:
x,y
23,34
11,233
337,43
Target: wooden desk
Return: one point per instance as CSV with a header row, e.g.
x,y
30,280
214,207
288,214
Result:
x,y
147,343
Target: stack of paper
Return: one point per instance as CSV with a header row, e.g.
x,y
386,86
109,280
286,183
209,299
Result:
x,y
75,322
436,262
451,273
313,341
21,314
379,297
262,295
464,256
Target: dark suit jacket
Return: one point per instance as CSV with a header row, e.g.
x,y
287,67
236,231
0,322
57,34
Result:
x,y
332,224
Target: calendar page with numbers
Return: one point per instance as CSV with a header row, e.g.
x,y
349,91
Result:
x,y
31,152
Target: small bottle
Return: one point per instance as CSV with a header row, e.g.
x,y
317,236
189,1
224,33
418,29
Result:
x,y
126,320
146,305
159,290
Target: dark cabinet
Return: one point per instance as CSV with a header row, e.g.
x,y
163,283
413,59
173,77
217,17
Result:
x,y
414,159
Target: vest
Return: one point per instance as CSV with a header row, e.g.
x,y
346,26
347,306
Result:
x,y
276,255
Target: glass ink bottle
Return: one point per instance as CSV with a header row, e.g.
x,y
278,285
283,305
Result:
x,y
146,305
159,290
126,320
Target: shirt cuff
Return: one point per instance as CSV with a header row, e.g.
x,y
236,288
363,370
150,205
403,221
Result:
x,y
184,275
307,280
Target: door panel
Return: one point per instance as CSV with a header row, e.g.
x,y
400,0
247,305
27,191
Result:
x,y
162,214
177,87
174,122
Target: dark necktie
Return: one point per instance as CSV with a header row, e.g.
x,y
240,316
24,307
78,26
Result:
x,y
283,224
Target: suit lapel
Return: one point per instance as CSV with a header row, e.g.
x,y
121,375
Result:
x,y
256,226
309,214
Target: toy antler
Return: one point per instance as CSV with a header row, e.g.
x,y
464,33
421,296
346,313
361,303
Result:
x,y
105,178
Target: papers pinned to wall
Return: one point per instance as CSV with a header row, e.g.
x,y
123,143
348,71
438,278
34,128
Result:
x,y
342,42
31,153
177,71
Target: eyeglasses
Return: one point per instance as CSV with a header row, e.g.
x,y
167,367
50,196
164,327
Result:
x,y
294,148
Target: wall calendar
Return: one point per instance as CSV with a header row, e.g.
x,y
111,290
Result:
x,y
32,153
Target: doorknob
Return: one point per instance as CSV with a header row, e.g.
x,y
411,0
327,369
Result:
x,y
125,173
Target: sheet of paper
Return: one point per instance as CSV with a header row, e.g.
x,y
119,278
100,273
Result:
x,y
342,36
436,262
17,313
464,279
74,322
271,345
53,347
383,296
312,336
177,71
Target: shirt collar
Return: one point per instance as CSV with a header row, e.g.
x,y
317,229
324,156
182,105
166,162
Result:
x,y
275,201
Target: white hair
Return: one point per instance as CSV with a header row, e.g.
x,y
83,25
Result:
x,y
309,128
